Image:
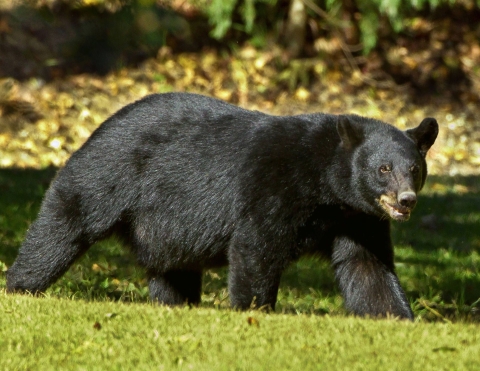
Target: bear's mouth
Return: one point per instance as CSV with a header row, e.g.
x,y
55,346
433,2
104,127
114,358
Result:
x,y
393,209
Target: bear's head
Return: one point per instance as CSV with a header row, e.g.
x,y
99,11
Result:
x,y
388,165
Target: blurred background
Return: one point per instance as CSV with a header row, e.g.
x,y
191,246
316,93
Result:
x,y
66,65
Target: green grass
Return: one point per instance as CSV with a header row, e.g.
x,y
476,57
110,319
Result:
x,y
62,334
437,259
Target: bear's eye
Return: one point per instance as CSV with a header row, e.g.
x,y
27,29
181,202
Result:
x,y
385,169
414,169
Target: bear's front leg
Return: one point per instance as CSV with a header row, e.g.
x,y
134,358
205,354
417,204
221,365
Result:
x,y
254,277
364,269
176,287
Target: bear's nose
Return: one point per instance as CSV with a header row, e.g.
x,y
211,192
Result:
x,y
407,199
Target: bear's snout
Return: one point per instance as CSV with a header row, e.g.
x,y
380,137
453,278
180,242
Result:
x,y
407,199
400,207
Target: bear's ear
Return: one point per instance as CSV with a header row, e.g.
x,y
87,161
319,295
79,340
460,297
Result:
x,y
424,134
349,133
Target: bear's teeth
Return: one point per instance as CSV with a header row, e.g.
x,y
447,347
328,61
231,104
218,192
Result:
x,y
395,213
398,212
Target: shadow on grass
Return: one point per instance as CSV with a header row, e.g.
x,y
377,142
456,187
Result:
x,y
438,252
21,192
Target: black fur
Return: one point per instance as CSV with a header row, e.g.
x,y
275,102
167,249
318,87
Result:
x,y
191,182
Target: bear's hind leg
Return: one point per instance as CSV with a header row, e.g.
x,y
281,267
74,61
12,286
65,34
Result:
x,y
63,231
176,287
52,244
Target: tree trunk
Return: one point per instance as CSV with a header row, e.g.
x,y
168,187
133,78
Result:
x,y
295,28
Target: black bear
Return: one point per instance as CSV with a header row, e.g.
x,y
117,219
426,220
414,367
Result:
x,y
191,182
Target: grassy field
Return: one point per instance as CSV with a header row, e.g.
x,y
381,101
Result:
x,y
98,316
62,334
